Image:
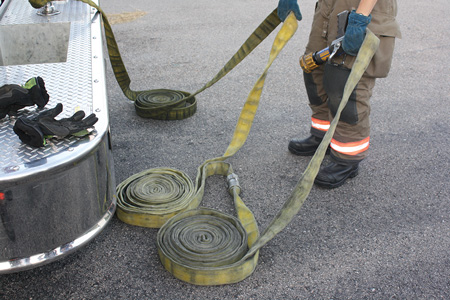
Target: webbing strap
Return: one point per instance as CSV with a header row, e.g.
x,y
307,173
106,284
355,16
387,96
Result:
x,y
165,104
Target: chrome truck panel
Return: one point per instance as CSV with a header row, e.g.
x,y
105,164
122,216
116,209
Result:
x,y
54,199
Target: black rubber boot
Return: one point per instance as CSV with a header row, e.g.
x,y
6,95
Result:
x,y
305,147
334,175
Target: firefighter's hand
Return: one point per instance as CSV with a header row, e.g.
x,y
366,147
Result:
x,y
355,33
286,6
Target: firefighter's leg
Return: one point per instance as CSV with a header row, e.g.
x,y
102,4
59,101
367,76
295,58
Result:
x,y
350,142
319,117
314,86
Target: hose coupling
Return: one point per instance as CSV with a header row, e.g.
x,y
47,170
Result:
x,y
233,182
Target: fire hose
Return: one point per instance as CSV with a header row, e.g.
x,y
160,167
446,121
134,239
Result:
x,y
166,104
203,246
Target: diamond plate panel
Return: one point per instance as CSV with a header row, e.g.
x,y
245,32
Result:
x,y
69,83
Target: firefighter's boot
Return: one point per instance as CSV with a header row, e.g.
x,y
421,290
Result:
x,y
305,147
335,174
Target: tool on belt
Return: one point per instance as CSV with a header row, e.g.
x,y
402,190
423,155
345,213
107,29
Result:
x,y
311,61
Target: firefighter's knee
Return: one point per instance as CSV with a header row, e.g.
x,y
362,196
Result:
x,y
312,89
334,80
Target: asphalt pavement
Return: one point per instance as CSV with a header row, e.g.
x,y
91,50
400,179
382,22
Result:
x,y
383,235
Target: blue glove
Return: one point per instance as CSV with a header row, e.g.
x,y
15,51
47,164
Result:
x,y
355,32
286,6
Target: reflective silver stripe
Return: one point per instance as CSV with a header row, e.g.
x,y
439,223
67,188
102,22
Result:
x,y
350,150
319,126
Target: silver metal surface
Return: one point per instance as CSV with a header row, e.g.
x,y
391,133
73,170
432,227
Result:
x,y
21,264
233,181
55,194
25,44
48,10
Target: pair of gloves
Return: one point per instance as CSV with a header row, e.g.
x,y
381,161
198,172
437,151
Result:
x,y
354,34
33,131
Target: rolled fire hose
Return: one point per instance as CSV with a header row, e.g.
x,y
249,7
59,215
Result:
x,y
166,104
205,247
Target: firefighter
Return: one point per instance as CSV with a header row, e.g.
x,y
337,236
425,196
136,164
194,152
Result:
x,y
325,85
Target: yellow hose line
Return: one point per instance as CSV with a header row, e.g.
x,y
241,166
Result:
x,y
172,240
206,247
203,246
139,211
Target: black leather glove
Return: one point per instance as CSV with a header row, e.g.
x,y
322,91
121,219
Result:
x,y
33,131
14,97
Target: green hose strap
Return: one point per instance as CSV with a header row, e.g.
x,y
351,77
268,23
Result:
x,y
165,104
